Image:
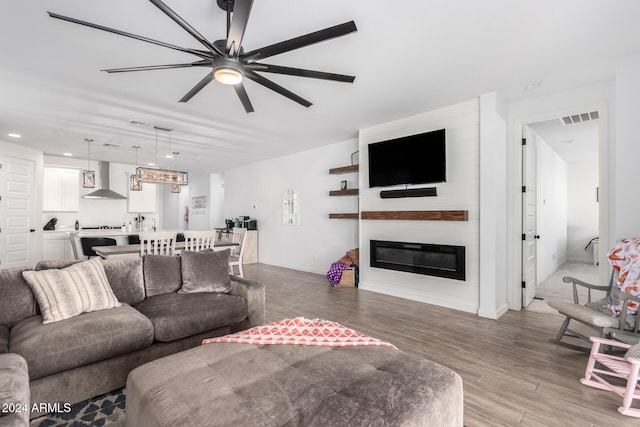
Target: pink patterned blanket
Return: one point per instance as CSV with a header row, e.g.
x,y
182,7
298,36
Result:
x,y
624,256
300,331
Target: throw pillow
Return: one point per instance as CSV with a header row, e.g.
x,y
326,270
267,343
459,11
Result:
x,y
161,274
65,293
205,272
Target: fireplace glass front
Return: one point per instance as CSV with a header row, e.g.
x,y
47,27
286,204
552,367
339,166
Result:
x,y
421,258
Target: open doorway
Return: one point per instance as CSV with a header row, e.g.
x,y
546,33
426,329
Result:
x,y
567,218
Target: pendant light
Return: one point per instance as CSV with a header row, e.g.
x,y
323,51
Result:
x,y
175,188
134,182
88,176
162,176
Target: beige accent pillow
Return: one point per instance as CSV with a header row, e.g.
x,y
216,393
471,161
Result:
x,y
67,292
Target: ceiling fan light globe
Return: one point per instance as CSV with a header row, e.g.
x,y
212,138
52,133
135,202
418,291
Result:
x,y
228,76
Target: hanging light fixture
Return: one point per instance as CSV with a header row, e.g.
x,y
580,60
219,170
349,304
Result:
x,y
175,188
134,182
88,176
162,176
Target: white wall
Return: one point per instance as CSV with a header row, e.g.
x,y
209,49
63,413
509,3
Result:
x,y
256,190
493,210
216,183
582,210
172,207
551,210
461,191
627,150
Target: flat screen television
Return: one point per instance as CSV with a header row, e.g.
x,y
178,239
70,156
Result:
x,y
414,159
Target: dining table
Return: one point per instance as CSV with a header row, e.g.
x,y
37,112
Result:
x,y
123,251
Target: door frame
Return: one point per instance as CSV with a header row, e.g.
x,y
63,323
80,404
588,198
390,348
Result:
x,y
514,196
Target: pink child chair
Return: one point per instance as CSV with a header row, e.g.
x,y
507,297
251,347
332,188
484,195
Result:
x,y
625,367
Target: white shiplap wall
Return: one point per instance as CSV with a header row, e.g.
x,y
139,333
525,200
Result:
x,y
461,191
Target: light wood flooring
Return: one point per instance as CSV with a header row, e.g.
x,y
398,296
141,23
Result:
x,y
512,375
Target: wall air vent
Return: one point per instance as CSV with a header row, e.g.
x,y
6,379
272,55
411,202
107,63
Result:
x,y
579,118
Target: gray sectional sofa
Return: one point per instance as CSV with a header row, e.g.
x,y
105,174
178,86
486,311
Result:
x,y
92,353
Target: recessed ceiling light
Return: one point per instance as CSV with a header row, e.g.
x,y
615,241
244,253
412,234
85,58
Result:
x,y
14,135
532,86
168,156
150,164
67,154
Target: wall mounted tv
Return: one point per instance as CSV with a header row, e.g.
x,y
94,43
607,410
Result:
x,y
415,159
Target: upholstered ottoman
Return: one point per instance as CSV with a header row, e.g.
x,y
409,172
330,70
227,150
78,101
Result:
x,y
308,385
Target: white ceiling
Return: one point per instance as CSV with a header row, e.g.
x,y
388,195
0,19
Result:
x,y
408,57
575,143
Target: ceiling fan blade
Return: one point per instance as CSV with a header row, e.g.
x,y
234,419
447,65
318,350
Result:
x,y
301,41
199,53
244,98
203,63
276,88
300,72
185,25
241,11
197,88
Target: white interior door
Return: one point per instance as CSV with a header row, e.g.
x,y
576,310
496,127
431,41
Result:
x,y
529,235
17,212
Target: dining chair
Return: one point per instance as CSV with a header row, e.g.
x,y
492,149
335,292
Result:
x,y
237,253
198,240
76,246
157,243
88,243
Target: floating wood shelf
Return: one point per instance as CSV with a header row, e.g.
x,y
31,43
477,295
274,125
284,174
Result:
x,y
343,216
349,192
417,215
344,169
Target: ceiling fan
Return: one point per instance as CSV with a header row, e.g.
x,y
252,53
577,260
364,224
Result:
x,y
228,61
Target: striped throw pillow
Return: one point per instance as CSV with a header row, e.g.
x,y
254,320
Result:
x,y
65,293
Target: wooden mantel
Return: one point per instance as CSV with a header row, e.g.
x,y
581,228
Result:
x,y
416,215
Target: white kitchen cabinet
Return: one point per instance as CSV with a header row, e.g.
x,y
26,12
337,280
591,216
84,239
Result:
x,y
61,190
57,246
144,200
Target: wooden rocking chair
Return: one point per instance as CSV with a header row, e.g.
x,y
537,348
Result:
x,y
604,322
609,365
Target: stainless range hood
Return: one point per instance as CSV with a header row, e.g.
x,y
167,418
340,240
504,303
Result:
x,y
104,192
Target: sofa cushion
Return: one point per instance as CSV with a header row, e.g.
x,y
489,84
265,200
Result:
x,y
14,390
176,316
67,292
126,278
205,271
84,339
4,339
17,301
161,274
124,275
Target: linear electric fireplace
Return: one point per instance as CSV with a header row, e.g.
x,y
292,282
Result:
x,y
421,258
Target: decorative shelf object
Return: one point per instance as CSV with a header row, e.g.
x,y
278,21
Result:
x,y
343,215
347,192
344,169
454,215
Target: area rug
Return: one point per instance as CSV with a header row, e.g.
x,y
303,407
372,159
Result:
x,y
106,410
